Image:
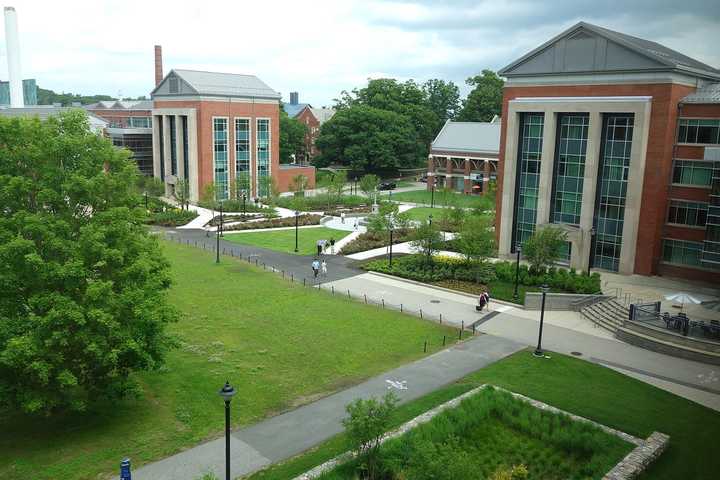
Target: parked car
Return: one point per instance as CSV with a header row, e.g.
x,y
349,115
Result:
x,y
386,186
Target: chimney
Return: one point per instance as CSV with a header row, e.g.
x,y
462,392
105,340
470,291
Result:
x,y
294,98
13,56
158,65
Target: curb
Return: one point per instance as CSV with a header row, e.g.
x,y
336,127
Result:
x,y
443,289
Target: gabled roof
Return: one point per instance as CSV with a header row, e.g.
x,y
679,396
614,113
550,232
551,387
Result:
x,y
120,105
472,137
707,94
195,82
294,109
323,114
45,111
587,48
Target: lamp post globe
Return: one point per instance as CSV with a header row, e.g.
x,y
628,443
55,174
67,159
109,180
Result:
x,y
227,392
297,216
538,351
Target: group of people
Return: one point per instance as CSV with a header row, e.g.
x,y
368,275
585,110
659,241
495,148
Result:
x,y
483,301
319,267
323,245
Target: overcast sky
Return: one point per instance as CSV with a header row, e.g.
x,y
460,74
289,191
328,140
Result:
x,y
321,47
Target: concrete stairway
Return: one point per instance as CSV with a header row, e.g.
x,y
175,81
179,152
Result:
x,y
609,314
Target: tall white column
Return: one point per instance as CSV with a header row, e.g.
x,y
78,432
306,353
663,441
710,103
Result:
x,y
179,147
157,142
509,173
13,54
166,151
547,164
581,250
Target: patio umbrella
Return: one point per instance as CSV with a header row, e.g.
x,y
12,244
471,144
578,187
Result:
x,y
712,305
682,298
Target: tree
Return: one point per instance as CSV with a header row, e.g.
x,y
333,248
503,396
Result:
x,y
485,100
367,422
443,98
388,212
153,186
369,184
182,192
299,184
336,185
209,196
292,137
476,239
83,284
406,99
542,249
240,185
367,139
426,239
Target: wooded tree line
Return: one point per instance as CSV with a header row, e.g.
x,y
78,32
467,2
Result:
x,y
388,124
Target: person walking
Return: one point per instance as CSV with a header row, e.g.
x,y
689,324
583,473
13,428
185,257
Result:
x,y
481,302
323,268
332,246
319,247
315,268
342,217
487,299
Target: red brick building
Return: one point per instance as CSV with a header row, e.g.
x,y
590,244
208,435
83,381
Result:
x,y
606,136
312,118
218,129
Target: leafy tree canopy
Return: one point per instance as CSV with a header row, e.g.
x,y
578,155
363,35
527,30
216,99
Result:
x,y
292,137
83,284
485,99
542,249
443,98
368,139
48,97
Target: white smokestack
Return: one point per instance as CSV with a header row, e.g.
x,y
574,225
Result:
x,y
13,55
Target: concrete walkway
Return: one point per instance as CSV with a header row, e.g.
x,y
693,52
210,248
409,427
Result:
x,y
291,433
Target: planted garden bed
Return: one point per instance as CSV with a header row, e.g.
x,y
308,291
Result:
x,y
491,431
498,277
275,223
370,240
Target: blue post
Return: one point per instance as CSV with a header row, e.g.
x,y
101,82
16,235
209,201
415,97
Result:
x,y
125,470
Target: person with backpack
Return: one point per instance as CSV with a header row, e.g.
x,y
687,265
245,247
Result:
x,y
332,246
315,268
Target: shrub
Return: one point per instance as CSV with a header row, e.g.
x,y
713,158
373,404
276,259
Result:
x,y
322,202
276,222
542,249
370,240
236,206
415,267
172,217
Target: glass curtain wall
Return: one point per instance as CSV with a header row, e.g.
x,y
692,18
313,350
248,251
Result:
x,y
173,146
262,157
569,168
612,189
528,176
711,245
161,134
242,156
220,157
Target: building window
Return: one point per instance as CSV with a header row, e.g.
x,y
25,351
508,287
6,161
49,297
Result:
x,y
569,169
161,136
699,131
242,157
139,122
220,157
173,146
528,176
612,189
692,172
693,214
682,252
186,159
262,156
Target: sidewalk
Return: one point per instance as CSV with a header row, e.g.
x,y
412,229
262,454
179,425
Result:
x,y
291,433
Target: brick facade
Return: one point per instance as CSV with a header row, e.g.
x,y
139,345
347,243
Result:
x,y
307,118
661,150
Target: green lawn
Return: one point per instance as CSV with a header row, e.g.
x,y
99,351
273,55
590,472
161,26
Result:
x,y
284,240
443,198
422,213
583,388
237,323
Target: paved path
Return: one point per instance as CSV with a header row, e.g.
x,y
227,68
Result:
x,y
291,433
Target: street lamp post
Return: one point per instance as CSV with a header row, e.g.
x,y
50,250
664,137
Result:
x,y
391,224
429,239
538,351
590,256
244,198
432,194
217,244
222,234
227,393
297,216
517,271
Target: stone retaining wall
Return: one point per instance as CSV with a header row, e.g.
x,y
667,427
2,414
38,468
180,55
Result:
x,y
555,301
634,463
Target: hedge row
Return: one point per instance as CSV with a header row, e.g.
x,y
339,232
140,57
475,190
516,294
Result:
x,y
370,240
275,223
171,217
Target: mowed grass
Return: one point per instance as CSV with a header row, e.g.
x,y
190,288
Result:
x,y
583,388
422,213
284,240
279,344
444,199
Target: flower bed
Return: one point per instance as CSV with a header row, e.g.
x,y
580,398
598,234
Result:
x,y
370,240
171,217
322,202
488,430
275,223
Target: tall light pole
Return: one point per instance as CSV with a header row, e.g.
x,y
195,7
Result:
x,y
429,239
222,234
590,256
217,244
432,193
244,198
227,393
517,271
391,225
297,216
538,351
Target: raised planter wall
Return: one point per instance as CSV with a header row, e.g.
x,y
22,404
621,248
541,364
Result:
x,y
556,301
657,341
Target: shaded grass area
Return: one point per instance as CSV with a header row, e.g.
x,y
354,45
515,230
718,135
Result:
x,y
498,289
422,213
284,240
281,344
582,388
445,199
490,430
